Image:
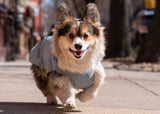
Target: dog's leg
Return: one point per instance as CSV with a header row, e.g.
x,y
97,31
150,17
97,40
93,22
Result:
x,y
63,89
41,80
91,92
51,99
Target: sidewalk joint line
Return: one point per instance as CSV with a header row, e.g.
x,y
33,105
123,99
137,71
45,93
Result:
x,y
139,85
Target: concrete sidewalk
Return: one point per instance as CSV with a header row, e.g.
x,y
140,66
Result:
x,y
124,92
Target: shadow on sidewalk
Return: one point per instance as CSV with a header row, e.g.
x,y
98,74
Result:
x,y
31,108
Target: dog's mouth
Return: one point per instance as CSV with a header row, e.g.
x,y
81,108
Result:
x,y
77,54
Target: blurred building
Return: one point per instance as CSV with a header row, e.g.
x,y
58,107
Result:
x,y
20,27
8,22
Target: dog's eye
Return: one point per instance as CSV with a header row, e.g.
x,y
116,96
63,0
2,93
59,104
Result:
x,y
85,36
71,36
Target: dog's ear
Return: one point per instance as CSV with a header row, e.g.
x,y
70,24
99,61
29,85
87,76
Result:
x,y
91,14
62,13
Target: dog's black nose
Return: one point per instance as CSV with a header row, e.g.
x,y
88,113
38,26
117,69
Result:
x,y
78,46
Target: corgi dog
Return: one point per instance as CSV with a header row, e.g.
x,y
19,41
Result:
x,y
68,64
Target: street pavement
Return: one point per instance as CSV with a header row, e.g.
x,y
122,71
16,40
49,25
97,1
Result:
x,y
124,92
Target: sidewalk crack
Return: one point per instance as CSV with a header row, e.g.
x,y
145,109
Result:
x,y
139,85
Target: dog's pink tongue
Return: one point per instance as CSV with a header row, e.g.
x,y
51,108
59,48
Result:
x,y
78,53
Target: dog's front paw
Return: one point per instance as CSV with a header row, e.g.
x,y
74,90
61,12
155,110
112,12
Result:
x,y
68,106
85,96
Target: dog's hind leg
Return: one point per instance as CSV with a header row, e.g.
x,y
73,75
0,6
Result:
x,y
41,80
63,89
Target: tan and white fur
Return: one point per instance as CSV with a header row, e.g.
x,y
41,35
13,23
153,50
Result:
x,y
87,54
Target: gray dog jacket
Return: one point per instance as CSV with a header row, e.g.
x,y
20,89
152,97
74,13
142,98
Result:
x,y
41,56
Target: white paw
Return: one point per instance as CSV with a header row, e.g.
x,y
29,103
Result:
x,y
68,106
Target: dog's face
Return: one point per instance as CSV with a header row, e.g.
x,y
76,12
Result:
x,y
76,36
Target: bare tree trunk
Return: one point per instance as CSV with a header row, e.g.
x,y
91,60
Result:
x,y
80,6
118,29
150,48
